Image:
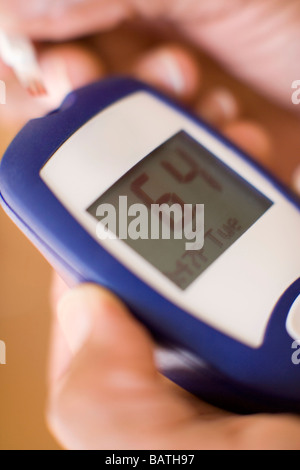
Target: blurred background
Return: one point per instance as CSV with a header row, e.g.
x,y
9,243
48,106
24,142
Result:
x,y
24,326
25,316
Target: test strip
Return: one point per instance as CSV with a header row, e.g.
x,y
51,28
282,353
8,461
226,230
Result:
x,y
18,52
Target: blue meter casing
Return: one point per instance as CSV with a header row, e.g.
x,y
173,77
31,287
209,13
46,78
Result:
x,y
226,316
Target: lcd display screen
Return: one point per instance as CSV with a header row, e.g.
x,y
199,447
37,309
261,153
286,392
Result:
x,y
181,173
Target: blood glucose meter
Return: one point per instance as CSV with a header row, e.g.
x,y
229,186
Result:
x,y
223,302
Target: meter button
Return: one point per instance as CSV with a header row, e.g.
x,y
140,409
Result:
x,y
293,320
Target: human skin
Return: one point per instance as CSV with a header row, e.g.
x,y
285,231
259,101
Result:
x,y
106,392
104,388
258,40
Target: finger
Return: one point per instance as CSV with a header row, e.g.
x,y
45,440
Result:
x,y
258,32
67,67
62,19
59,354
172,69
111,396
252,138
91,315
219,107
111,384
5,71
64,68
296,180
254,40
79,311
58,289
63,333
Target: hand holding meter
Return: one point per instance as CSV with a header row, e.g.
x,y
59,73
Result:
x,y
92,185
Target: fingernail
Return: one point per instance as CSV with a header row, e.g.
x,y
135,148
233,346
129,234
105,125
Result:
x,y
75,315
172,69
162,69
296,180
219,106
172,72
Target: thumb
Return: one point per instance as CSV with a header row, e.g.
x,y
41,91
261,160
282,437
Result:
x,y
110,390
98,327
